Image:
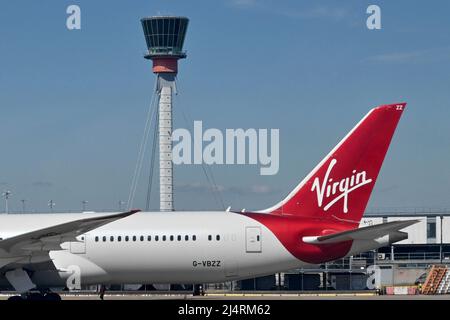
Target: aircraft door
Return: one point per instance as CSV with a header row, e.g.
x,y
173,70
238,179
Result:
x,y
253,239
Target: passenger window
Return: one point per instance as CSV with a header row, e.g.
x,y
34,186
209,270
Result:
x,y
179,238
257,238
217,237
194,238
210,237
149,238
142,238
104,239
186,238
96,239
134,238
111,239
164,238
171,238
127,238
119,238
156,238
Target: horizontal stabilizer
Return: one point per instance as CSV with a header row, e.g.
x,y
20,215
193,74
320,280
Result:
x,y
365,233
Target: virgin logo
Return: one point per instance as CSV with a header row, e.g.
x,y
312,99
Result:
x,y
335,191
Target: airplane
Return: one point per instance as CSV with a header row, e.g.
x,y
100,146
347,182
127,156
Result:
x,y
318,222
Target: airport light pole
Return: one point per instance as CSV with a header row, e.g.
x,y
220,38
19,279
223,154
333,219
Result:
x,y
23,205
84,203
121,203
51,204
6,195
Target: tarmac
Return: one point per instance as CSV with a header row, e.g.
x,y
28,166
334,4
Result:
x,y
248,297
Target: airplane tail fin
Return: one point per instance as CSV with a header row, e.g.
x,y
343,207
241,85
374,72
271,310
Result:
x,y
339,187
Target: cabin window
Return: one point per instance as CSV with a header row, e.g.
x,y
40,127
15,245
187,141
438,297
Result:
x,y
179,238
171,238
149,238
156,238
127,238
134,238
217,237
164,238
119,238
194,237
142,238
257,238
96,239
210,237
111,239
186,238
104,239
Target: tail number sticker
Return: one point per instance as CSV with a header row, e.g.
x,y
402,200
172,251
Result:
x,y
207,263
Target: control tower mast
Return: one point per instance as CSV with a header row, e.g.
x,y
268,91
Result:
x,y
165,38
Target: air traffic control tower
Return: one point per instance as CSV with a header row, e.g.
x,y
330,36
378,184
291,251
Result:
x,y
165,37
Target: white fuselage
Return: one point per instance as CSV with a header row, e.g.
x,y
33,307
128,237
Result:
x,y
158,247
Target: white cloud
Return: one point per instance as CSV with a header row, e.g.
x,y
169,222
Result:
x,y
262,189
336,13
428,55
318,12
244,3
397,57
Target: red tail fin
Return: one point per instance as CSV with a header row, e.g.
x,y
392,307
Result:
x,y
341,184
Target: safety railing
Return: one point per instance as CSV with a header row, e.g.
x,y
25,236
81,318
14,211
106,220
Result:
x,y
416,256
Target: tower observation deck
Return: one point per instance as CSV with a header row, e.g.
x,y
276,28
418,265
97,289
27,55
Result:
x,y
165,36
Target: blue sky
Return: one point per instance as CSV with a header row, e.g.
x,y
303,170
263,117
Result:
x,y
73,102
